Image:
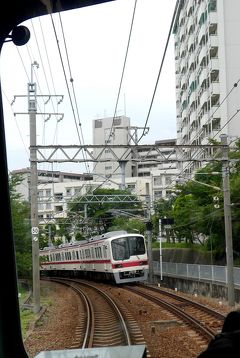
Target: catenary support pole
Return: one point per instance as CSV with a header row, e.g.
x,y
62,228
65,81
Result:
x,y
32,109
228,222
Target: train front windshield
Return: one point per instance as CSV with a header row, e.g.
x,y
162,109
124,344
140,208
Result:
x,y
125,247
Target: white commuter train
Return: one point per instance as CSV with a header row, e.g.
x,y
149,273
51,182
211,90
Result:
x,y
118,256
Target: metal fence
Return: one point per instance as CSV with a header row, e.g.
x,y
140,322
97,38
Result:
x,y
196,272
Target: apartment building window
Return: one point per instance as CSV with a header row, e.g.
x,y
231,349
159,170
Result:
x,y
48,193
131,186
48,206
157,181
40,206
212,5
68,191
58,196
40,194
216,124
168,180
77,191
157,194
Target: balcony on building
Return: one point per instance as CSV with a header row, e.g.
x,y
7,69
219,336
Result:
x,y
203,75
193,134
192,98
202,55
203,97
191,60
191,43
184,130
181,18
193,117
184,113
190,24
202,35
182,34
204,118
190,8
183,84
192,77
201,13
182,50
183,66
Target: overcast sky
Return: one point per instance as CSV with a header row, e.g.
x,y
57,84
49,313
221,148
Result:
x,y
96,41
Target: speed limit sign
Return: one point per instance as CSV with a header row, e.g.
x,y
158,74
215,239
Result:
x,y
35,230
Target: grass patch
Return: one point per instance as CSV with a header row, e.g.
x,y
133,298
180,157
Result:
x,y
27,317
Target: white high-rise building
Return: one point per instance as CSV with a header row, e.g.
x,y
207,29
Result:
x,y
207,57
110,131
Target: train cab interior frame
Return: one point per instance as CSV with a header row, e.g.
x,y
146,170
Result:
x,y
13,13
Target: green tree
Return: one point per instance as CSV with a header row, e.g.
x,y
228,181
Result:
x,y
21,229
100,215
128,224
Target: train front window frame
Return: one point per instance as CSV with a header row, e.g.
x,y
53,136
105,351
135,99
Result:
x,y
123,248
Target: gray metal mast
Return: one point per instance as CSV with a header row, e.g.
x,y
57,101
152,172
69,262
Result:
x,y
32,109
228,222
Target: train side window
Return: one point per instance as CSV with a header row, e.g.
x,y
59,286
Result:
x,y
77,255
104,251
73,255
100,252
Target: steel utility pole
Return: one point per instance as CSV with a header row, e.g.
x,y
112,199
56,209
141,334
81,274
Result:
x,y
32,112
32,109
228,221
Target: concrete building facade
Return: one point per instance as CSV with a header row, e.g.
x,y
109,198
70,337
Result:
x,y
207,59
108,131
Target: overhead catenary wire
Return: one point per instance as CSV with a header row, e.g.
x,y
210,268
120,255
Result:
x,y
124,66
156,83
160,69
120,84
73,89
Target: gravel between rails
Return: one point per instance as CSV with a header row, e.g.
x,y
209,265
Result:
x,y
169,339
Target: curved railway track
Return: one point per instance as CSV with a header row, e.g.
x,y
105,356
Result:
x,y
206,321
103,320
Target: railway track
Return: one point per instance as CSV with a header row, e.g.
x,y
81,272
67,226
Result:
x,y
102,322
206,321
